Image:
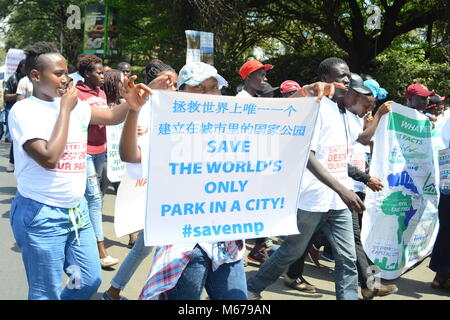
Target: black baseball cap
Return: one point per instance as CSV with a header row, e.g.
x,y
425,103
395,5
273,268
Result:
x,y
357,84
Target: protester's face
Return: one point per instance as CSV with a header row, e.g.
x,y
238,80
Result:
x,y
52,80
96,77
209,86
338,73
255,79
126,70
418,102
360,104
166,80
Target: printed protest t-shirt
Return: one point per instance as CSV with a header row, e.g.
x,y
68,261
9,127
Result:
x,y
63,186
331,140
358,151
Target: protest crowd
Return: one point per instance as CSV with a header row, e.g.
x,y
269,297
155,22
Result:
x,y
56,214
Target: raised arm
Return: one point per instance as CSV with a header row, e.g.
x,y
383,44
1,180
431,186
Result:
x,y
365,137
135,95
48,153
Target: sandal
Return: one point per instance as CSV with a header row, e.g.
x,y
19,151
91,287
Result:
x,y
445,284
108,262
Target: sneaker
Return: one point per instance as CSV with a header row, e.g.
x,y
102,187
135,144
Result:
x,y
369,294
106,296
108,262
10,167
257,255
253,295
299,284
327,256
313,255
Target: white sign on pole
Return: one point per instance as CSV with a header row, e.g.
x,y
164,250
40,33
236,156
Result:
x,y
401,222
116,168
200,47
13,57
225,168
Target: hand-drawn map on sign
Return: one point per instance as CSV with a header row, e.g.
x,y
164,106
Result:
x,y
225,168
401,222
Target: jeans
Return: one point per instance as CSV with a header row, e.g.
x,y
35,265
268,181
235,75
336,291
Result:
x,y
11,154
7,133
47,239
337,227
226,283
440,257
93,194
134,258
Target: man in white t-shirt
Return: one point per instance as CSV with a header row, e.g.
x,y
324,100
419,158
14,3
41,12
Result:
x,y
324,202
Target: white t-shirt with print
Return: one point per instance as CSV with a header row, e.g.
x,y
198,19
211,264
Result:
x,y
65,185
358,154
331,140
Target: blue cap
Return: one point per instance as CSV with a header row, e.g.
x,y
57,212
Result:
x,y
378,92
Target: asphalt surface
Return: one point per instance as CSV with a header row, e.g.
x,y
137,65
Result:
x,y
413,285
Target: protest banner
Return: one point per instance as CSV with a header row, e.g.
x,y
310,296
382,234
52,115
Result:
x,y
200,47
129,212
401,222
116,168
13,57
444,171
225,168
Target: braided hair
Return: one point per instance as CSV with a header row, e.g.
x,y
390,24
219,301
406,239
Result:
x,y
111,86
155,68
33,54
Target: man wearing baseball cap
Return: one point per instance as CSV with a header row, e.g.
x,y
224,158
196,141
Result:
x,y
253,73
289,87
418,96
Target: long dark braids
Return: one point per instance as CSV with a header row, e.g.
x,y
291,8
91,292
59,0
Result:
x,y
111,86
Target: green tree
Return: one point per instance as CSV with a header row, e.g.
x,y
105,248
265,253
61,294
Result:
x,y
343,21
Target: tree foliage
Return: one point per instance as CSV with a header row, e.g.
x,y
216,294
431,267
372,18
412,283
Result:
x,y
412,44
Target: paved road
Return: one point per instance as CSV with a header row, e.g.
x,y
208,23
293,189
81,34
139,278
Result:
x,y
414,285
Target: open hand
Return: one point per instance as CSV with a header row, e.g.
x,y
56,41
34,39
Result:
x,y
164,82
135,94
